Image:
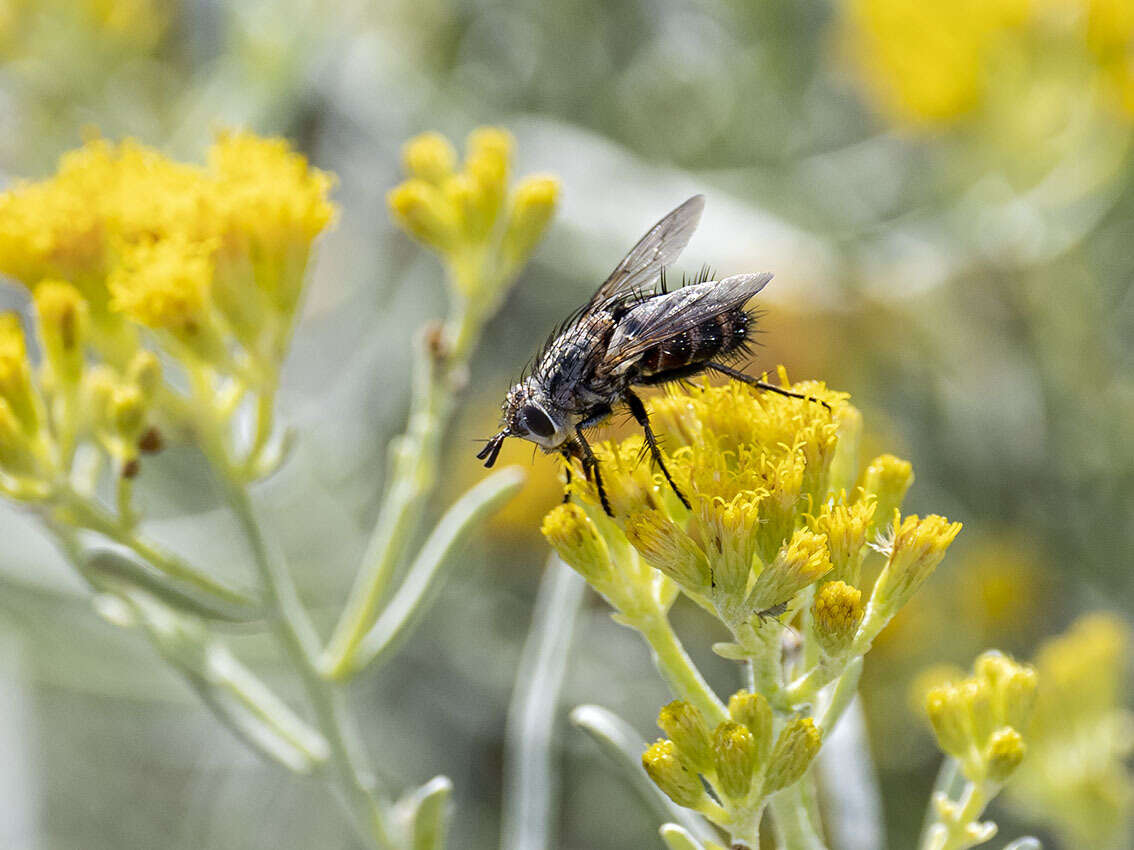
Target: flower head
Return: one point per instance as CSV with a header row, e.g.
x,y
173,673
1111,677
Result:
x,y
467,215
980,720
836,614
1077,776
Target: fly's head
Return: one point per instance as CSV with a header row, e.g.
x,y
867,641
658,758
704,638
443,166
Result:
x,y
527,414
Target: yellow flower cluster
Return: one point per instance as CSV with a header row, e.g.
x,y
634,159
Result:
x,y
172,246
740,760
468,216
770,512
980,720
934,61
210,259
1077,776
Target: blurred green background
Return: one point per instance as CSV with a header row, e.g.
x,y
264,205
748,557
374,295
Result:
x,y
944,191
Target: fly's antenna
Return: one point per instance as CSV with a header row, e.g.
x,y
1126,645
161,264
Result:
x,y
491,449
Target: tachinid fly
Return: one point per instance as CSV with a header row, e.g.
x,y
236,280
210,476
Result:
x,y
631,335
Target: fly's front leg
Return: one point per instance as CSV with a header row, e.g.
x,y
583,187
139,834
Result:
x,y
643,419
591,467
737,375
566,452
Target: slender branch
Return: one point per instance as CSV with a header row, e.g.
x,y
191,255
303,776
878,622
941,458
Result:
x,y
425,576
299,640
794,828
437,376
677,668
530,775
88,514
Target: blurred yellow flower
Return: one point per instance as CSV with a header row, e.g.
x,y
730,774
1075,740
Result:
x,y
458,213
936,62
1076,777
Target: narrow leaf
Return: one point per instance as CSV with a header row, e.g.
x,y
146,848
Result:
x,y
424,578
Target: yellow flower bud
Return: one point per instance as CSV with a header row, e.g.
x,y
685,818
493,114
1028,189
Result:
x,y
676,779
796,746
574,536
531,208
128,412
755,713
666,547
950,720
16,455
735,758
423,211
144,372
16,386
846,527
685,726
917,547
486,166
836,614
887,479
802,561
1012,687
61,314
1004,753
429,156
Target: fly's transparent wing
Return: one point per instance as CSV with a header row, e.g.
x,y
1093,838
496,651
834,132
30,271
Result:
x,y
661,245
663,317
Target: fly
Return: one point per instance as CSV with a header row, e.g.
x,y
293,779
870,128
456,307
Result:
x,y
632,334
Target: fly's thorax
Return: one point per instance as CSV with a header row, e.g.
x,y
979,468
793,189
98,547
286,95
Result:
x,y
529,414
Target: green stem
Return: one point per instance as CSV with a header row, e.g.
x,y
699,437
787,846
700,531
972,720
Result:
x,y
794,827
90,515
300,642
677,668
953,832
437,376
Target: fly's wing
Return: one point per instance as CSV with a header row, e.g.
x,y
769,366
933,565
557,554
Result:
x,y
661,245
663,317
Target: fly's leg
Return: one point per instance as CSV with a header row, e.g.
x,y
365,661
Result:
x,y
772,388
591,467
567,472
639,411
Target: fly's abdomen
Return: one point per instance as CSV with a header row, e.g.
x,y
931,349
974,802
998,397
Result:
x,y
716,337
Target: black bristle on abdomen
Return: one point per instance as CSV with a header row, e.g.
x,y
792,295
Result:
x,y
719,336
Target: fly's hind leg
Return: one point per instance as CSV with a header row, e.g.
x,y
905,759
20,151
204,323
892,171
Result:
x,y
591,468
639,411
736,374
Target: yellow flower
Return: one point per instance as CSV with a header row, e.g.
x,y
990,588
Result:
x,y
164,284
978,720
16,387
665,546
795,748
734,758
914,549
458,213
672,775
685,726
928,62
846,528
886,480
1076,777
572,534
269,205
61,315
430,157
424,212
753,710
529,212
836,614
801,562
